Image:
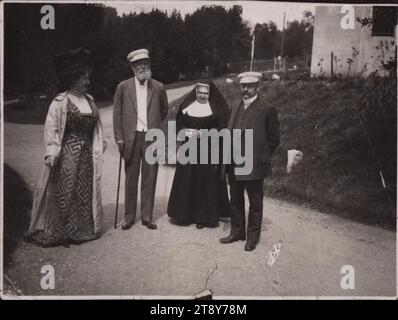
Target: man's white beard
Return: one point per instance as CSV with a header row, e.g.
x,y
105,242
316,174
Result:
x,y
142,76
148,74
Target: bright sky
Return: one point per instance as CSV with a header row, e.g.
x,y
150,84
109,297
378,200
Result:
x,y
253,11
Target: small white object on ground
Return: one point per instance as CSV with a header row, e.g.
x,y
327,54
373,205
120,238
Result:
x,y
275,77
206,294
228,80
293,158
274,254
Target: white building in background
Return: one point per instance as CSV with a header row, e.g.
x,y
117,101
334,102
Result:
x,y
343,46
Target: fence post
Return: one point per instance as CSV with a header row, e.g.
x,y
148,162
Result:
x,y
331,63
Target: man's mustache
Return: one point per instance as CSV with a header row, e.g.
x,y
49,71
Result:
x,y
143,74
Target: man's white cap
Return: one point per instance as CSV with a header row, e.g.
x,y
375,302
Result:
x,y
138,55
249,77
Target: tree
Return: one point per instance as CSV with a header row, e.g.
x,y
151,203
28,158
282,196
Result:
x,y
268,41
217,36
211,36
298,36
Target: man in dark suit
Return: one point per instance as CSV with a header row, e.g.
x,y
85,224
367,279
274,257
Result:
x,y
251,113
140,104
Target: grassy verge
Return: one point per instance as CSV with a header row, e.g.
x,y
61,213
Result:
x,y
27,111
346,129
35,112
17,204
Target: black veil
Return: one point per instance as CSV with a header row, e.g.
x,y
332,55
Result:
x,y
217,103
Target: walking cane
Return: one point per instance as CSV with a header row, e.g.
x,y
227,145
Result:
x,y
118,187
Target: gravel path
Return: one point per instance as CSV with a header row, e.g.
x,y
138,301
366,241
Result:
x,y
181,261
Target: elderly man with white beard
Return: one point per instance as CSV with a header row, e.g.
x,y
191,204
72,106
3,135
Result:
x,y
140,104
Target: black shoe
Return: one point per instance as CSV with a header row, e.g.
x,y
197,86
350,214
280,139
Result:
x,y
213,225
127,225
66,244
149,225
231,238
200,226
250,246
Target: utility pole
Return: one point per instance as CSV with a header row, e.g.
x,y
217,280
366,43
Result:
x,y
283,34
252,54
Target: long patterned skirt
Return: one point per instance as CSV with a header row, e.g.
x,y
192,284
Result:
x,y
69,217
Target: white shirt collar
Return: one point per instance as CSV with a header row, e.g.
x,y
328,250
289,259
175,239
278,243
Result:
x,y
138,85
248,102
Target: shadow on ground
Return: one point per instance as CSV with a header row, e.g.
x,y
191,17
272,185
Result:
x,y
17,204
110,213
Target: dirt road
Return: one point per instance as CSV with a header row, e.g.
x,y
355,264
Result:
x,y
181,261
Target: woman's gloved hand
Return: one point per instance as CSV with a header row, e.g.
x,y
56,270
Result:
x,y
50,160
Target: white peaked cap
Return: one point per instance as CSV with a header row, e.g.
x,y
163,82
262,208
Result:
x,y
249,77
138,55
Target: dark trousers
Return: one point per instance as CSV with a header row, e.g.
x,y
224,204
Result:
x,y
148,181
255,192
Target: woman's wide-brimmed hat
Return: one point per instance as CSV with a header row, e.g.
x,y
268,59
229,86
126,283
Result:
x,y
71,60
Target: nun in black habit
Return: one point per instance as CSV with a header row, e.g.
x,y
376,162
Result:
x,y
198,194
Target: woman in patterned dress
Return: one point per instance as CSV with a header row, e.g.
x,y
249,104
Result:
x,y
67,204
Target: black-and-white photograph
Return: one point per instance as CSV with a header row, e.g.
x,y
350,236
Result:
x,y
198,150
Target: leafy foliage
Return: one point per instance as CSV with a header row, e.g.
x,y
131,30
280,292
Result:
x,y
199,45
210,36
297,41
